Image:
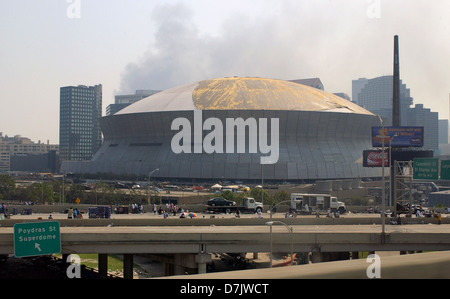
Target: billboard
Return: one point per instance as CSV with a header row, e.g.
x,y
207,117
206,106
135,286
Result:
x,y
373,158
398,136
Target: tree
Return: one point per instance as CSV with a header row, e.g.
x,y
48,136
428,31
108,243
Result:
x,y
281,196
7,186
102,191
75,191
41,192
261,195
228,195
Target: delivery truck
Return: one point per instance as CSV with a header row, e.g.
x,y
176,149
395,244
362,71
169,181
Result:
x,y
304,203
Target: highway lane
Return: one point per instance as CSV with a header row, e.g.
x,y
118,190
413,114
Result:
x,y
150,215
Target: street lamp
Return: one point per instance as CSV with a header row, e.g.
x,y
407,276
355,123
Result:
x,y
149,175
272,207
63,198
391,193
271,212
291,230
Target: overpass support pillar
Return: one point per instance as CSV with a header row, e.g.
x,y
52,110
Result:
x,y
128,266
168,269
317,257
103,265
181,264
202,259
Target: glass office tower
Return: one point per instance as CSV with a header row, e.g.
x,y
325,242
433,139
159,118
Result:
x,y
79,130
376,96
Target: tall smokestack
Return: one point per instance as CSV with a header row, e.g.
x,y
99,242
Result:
x,y
396,94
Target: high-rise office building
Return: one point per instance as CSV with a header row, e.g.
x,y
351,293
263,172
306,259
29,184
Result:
x,y
443,131
424,117
79,130
376,96
357,86
122,101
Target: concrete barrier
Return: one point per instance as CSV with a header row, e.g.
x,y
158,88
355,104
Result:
x,y
432,265
222,221
346,184
356,184
323,187
336,185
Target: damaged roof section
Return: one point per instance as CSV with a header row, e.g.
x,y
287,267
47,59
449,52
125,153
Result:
x,y
244,93
267,94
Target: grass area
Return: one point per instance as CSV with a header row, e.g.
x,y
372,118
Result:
x,y
115,263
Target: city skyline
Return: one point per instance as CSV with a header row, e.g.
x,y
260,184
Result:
x,y
163,44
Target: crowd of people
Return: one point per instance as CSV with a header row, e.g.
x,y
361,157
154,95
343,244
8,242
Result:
x,y
137,208
74,214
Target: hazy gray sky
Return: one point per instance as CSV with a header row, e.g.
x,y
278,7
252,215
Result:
x,y
156,44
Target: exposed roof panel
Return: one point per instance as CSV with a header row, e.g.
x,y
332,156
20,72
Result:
x,y
174,99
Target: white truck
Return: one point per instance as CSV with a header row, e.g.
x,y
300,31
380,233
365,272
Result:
x,y
303,203
249,205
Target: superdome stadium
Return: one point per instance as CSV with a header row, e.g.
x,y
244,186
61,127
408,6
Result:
x,y
235,129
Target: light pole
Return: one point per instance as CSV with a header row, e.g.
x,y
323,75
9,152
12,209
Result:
x,y
149,175
272,207
291,230
391,193
262,183
271,211
63,199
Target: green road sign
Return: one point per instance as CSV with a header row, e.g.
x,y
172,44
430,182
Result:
x,y
426,169
40,238
445,169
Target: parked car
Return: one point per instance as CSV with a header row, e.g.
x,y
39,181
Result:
x,y
219,201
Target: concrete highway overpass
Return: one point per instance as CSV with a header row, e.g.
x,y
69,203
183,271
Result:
x,y
211,239
190,246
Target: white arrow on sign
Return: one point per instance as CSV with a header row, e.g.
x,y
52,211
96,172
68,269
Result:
x,y
36,245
